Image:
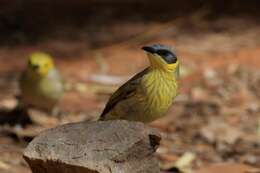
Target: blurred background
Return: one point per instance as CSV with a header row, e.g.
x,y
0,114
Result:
x,y
214,124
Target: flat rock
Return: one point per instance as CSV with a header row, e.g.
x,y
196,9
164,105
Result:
x,y
95,147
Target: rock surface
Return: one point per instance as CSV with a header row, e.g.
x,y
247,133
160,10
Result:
x,y
95,147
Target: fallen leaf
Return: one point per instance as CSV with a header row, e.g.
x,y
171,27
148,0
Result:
x,y
228,168
219,131
183,164
4,166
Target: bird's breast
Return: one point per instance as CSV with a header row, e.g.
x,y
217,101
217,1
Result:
x,y
159,88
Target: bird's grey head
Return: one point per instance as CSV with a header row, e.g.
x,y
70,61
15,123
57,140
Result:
x,y
162,50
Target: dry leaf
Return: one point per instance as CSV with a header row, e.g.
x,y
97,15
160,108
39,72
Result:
x,y
228,168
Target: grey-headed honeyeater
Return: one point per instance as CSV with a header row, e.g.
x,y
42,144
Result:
x,y
149,94
41,85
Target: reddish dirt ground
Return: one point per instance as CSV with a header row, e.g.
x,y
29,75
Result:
x,y
216,116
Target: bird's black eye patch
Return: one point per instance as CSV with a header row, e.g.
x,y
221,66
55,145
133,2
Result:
x,y
29,62
167,55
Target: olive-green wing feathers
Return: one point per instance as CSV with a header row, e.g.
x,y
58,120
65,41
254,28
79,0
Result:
x,y
123,92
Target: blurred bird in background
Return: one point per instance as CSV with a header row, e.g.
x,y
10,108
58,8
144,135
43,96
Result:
x,y
41,85
148,95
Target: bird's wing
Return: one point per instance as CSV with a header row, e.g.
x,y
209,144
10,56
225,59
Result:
x,y
123,92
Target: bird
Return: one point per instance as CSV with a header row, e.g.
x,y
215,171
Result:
x,y
41,85
148,95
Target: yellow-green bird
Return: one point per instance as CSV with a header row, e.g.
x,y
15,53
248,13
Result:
x,y
41,85
148,95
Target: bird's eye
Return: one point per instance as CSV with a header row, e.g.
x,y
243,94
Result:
x,y
29,63
163,53
168,56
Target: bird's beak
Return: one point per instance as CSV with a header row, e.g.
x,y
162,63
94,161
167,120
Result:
x,y
149,49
